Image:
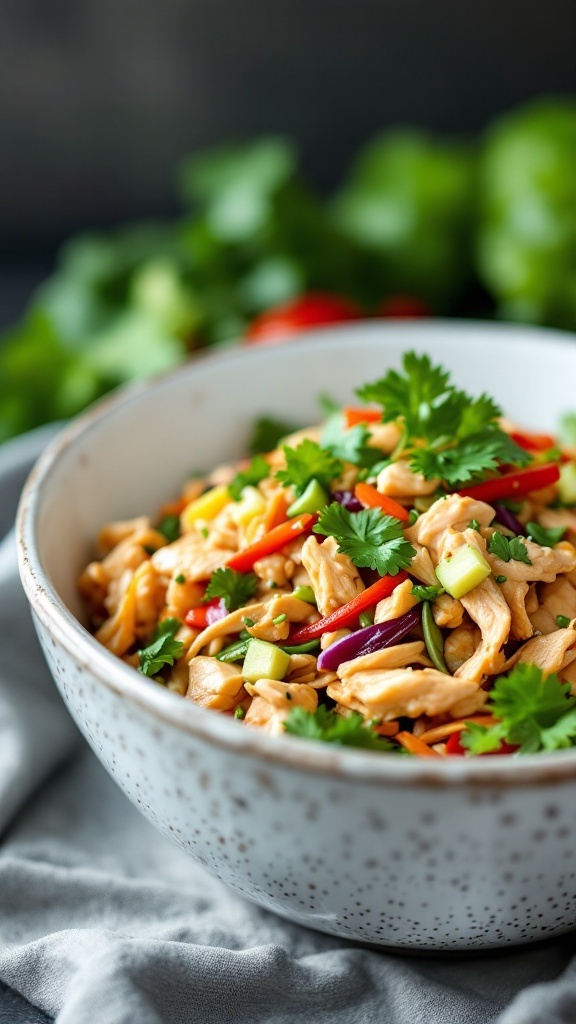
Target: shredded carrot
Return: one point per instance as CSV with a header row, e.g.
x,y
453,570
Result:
x,y
415,745
441,732
387,728
371,498
173,508
276,511
352,417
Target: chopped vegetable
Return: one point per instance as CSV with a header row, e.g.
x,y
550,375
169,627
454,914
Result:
x,y
535,712
162,649
567,484
308,648
327,726
205,615
507,518
273,541
433,638
313,498
427,593
234,588
370,538
371,638
371,498
234,652
446,433
562,621
348,500
462,571
264,661
207,506
415,745
514,485
304,593
354,417
311,310
348,614
506,549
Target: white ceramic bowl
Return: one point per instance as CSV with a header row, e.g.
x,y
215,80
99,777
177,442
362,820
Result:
x,y
452,854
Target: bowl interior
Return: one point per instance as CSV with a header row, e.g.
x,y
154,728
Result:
x,y
133,452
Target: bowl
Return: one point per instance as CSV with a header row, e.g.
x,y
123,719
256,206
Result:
x,y
454,854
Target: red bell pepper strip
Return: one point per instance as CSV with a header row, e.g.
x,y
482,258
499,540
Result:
x,y
272,541
514,485
372,498
348,614
352,417
453,746
534,442
205,614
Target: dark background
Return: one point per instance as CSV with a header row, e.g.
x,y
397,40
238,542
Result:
x,y
99,99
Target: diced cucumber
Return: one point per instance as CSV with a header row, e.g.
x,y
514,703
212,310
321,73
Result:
x,y
304,594
264,661
313,498
462,571
567,483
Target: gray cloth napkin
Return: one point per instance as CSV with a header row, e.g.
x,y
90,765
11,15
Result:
x,y
102,921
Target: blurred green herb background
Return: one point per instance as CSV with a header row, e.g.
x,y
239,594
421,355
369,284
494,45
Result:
x,y
480,228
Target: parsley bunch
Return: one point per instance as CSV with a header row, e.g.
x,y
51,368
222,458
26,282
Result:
x,y
235,588
309,461
535,712
162,650
372,539
446,434
329,727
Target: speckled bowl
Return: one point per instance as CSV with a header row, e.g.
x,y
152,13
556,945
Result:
x,y
449,855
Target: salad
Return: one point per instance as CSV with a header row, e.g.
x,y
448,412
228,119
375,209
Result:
x,y
400,578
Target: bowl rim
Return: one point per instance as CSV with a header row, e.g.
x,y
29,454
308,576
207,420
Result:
x,y
221,730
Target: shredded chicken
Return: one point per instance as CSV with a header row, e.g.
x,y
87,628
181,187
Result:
x,y
401,600
388,694
214,684
262,614
334,577
398,481
273,701
551,652
545,563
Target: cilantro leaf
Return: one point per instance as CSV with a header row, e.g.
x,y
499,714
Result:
x,y
350,444
506,549
546,538
162,650
481,739
427,593
535,712
371,539
267,433
447,434
329,727
250,477
169,527
235,588
308,462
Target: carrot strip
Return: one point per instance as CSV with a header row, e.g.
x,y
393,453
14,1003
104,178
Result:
x,y
276,511
352,417
387,728
372,498
348,613
415,745
273,541
440,732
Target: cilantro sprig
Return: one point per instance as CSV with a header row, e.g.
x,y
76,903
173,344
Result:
x,y
235,588
329,727
547,538
267,433
350,444
257,470
308,461
372,539
446,434
425,593
169,527
535,712
508,548
162,650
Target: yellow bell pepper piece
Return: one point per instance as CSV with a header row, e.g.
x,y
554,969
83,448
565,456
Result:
x,y
251,504
206,507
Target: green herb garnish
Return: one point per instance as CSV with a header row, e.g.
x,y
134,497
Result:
x,y
250,477
169,527
427,593
547,538
506,548
562,621
329,727
267,434
371,539
162,650
235,588
445,433
308,462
